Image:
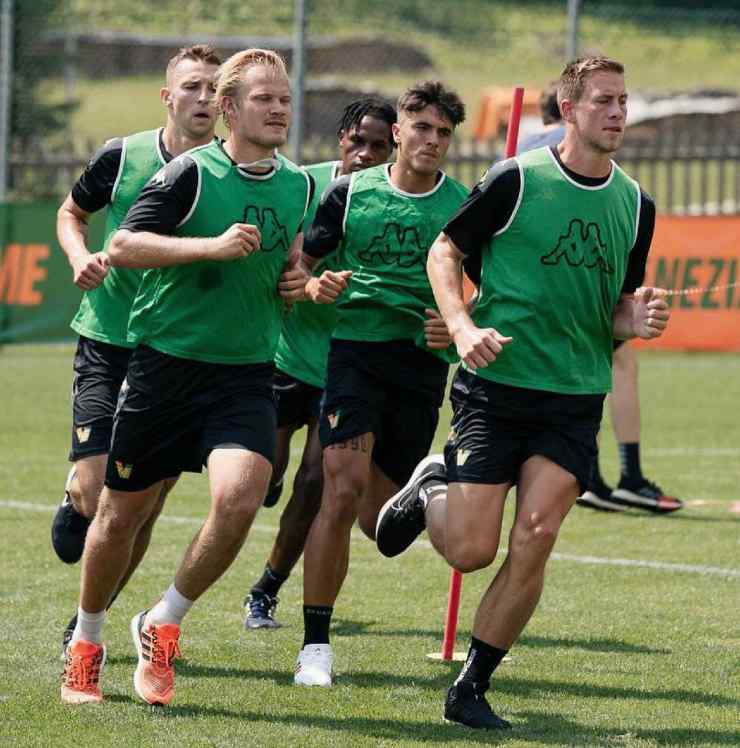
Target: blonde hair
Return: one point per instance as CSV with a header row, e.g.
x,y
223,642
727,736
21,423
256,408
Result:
x,y
572,81
198,52
230,74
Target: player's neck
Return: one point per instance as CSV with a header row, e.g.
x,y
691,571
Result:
x,y
246,152
177,142
588,162
409,180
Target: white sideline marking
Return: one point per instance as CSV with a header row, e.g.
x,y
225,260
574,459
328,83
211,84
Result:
x,y
590,560
694,451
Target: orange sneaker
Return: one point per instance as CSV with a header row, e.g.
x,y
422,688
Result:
x,y
157,647
81,678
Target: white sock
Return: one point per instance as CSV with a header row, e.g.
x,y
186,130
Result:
x,y
89,626
170,609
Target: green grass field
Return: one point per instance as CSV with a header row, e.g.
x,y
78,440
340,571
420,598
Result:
x,y
635,643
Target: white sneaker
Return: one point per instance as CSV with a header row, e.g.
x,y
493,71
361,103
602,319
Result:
x,y
314,666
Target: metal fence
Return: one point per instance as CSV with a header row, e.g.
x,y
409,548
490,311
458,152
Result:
x,y
87,70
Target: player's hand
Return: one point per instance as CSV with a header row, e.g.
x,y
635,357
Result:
x,y
650,313
89,271
240,240
292,284
436,334
479,346
326,288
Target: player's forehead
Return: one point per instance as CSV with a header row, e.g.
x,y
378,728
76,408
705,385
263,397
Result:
x,y
371,128
196,70
429,115
604,82
265,79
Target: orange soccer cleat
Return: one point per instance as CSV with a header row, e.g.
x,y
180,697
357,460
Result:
x,y
157,647
81,678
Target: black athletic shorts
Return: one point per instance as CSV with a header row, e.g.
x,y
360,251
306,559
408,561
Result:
x,y
360,399
496,428
173,412
297,402
99,371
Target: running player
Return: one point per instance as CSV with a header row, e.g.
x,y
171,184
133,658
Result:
x,y
365,140
387,366
114,178
563,235
216,227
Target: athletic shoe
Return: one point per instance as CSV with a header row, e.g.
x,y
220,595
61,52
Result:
x,y
401,519
599,496
466,704
273,495
260,610
67,636
69,527
645,495
81,678
157,647
314,666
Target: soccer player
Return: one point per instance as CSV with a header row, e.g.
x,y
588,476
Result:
x,y
365,140
215,227
563,235
388,357
114,178
634,489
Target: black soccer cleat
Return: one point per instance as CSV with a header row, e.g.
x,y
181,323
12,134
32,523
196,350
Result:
x,y
69,528
466,704
273,494
260,609
401,519
643,494
599,496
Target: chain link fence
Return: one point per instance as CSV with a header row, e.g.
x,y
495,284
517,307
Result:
x,y
88,70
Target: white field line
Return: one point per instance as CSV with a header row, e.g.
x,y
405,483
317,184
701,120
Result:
x,y
589,560
693,451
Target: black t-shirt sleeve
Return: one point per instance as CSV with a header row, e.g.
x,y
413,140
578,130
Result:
x,y
166,199
487,209
637,261
311,190
327,229
94,189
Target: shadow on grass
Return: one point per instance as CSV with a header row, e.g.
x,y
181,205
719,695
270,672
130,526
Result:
x,y
544,727
443,677
349,628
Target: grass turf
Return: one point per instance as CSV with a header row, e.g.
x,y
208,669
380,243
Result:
x,y
615,655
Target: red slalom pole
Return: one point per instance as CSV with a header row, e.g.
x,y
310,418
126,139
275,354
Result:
x,y
453,595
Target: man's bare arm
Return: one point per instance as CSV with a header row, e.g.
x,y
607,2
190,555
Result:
x,y
144,249
88,268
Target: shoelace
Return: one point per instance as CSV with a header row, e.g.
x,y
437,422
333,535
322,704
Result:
x,y
163,651
262,606
83,673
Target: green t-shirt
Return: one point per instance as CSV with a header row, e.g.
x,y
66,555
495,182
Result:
x,y
104,311
224,312
303,347
552,277
387,237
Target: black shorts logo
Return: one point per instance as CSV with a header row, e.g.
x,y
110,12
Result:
x,y
396,246
274,234
581,246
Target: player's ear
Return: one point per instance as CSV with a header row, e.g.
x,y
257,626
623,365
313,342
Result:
x,y
165,95
567,108
395,127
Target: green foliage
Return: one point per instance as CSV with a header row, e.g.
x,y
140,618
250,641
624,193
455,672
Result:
x,y
31,113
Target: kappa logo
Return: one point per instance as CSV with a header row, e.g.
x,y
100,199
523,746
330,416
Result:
x,y
333,418
396,245
124,471
580,246
462,456
274,234
83,433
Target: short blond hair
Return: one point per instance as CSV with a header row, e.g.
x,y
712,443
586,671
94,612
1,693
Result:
x,y
198,52
230,74
572,81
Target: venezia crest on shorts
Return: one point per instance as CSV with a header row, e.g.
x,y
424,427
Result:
x,y
124,471
83,433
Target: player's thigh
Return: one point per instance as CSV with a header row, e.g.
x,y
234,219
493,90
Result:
x,y
238,478
347,466
473,528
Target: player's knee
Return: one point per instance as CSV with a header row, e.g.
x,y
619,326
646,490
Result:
x,y
340,505
235,504
533,534
470,557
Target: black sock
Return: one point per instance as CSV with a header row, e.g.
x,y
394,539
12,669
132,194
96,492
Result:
x,y
433,488
269,583
482,660
629,462
316,622
597,479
